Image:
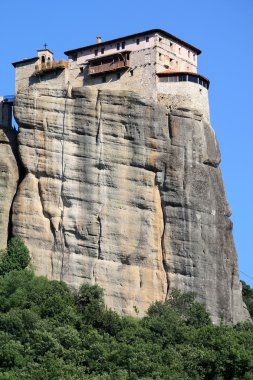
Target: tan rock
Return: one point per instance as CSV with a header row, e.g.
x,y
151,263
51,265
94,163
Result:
x,y
8,180
123,193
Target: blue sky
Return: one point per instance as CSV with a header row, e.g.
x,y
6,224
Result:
x,y
222,29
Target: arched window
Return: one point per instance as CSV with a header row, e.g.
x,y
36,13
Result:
x,y
43,59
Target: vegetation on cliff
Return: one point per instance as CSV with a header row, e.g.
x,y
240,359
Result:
x,y
49,332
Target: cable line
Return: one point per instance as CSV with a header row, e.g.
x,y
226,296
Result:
x,y
245,274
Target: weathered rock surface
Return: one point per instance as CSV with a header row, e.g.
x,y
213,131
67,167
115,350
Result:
x,y
8,179
121,192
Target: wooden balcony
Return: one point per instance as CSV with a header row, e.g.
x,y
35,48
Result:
x,y
109,63
107,67
43,68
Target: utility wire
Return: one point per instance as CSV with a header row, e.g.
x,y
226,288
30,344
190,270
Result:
x,y
245,274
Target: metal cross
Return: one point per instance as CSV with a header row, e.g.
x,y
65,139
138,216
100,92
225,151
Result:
x,y
45,45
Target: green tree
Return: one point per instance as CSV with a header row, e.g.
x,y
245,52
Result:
x,y
247,294
15,257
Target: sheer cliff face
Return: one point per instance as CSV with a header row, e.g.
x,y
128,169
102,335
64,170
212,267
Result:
x,y
121,192
8,180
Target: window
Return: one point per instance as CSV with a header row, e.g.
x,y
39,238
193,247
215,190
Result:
x,y
43,59
104,79
102,50
96,52
182,78
74,57
179,50
192,78
194,57
131,73
81,69
173,78
189,53
147,39
171,44
160,56
118,46
118,75
123,44
137,41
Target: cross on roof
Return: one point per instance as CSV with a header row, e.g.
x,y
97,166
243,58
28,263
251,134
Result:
x,y
45,45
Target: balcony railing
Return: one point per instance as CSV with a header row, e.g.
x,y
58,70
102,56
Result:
x,y
107,67
44,67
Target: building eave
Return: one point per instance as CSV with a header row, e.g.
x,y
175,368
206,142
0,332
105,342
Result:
x,y
105,56
50,51
25,60
161,31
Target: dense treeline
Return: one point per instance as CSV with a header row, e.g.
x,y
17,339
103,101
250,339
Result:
x,y
49,332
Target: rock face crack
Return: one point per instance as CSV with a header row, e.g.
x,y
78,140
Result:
x,y
99,238
63,166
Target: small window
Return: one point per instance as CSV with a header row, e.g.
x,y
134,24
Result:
x,y
123,44
171,60
102,50
173,78
49,59
147,39
179,50
160,39
182,78
74,57
43,59
104,79
137,41
81,69
171,44
160,56
194,57
192,78
118,75
96,52
189,53
131,73
118,46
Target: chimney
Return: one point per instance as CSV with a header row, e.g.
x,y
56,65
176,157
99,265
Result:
x,y
99,40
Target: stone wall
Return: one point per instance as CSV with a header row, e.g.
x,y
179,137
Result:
x,y
184,95
140,78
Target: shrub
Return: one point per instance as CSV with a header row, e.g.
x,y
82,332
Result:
x,y
15,257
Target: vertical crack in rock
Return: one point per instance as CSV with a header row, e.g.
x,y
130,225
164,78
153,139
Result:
x,y
61,200
169,126
101,167
99,111
99,237
164,262
163,245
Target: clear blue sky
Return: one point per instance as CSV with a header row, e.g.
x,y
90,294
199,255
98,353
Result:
x,y
222,29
